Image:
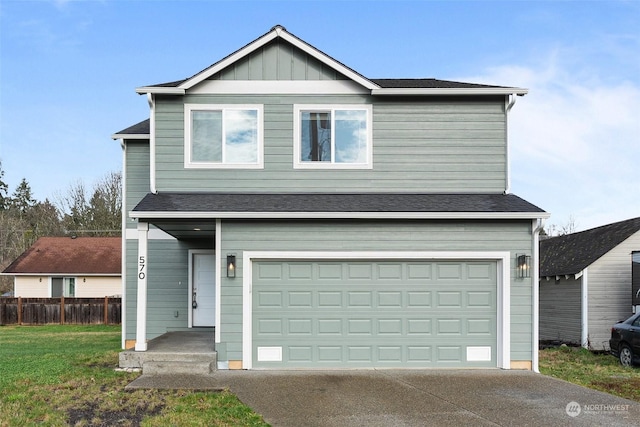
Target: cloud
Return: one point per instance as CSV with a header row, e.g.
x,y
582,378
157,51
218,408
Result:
x,y
574,139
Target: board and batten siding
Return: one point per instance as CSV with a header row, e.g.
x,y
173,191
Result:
x,y
610,291
360,236
436,145
278,60
561,310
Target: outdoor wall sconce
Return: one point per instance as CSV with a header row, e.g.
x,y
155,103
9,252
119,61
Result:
x,y
524,266
231,266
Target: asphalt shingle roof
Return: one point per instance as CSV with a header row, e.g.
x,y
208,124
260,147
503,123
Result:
x,y
66,255
572,253
427,84
141,128
333,202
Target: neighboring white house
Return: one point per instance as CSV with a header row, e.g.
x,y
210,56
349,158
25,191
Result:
x,y
82,267
585,283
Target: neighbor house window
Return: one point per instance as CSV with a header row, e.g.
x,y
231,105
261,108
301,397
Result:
x,y
223,136
332,137
63,287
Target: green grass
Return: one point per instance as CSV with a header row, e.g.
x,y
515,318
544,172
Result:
x,y
64,375
599,371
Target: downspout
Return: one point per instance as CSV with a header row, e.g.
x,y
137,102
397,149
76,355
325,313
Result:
x,y
509,103
584,309
538,225
152,143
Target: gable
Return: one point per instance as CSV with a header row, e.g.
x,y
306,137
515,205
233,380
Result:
x,y
278,60
572,253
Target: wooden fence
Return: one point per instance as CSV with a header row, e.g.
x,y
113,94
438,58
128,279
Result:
x,y
69,311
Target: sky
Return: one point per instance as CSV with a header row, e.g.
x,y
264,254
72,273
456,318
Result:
x,y
69,69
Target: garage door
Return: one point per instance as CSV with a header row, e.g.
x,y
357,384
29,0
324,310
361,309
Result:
x,y
359,314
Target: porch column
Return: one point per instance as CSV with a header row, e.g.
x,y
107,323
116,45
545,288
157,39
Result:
x,y
141,306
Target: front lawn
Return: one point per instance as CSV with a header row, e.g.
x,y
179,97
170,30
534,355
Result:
x,y
64,375
599,371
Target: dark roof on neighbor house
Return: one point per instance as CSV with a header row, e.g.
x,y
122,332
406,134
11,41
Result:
x,y
572,253
289,203
67,255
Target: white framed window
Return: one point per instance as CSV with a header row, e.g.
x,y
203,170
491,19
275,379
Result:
x,y
223,136
332,137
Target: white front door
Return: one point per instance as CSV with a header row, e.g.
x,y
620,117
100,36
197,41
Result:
x,y
203,289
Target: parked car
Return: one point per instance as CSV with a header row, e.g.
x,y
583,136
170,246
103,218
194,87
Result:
x,y
7,294
625,340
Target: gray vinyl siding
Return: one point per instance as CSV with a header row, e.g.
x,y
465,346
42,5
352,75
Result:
x,y
278,60
514,237
167,285
137,175
561,310
610,291
434,144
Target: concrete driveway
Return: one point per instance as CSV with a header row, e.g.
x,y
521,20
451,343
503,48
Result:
x,y
412,398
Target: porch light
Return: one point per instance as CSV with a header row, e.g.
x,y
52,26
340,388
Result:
x,y
231,266
524,266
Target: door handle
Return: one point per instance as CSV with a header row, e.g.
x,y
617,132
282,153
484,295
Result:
x,y
194,303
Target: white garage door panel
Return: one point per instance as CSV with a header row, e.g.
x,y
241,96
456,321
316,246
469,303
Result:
x,y
374,313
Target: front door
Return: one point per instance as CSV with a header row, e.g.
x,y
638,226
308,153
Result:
x,y
203,289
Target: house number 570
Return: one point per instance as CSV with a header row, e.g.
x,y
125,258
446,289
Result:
x,y
142,264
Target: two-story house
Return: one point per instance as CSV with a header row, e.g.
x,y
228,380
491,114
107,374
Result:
x,y
319,218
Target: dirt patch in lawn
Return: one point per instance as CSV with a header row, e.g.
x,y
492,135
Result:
x,y
91,414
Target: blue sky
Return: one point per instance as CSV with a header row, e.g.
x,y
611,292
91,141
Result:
x,y
69,69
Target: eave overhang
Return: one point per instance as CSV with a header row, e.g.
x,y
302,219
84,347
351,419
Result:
x,y
449,91
335,215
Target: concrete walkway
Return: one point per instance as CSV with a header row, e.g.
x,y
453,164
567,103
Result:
x,y
412,398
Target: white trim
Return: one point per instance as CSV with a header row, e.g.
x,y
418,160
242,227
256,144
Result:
x,y
503,292
262,41
142,264
154,234
123,248
189,164
584,315
338,215
450,91
217,247
152,143
298,108
279,87
160,90
191,253
536,226
130,136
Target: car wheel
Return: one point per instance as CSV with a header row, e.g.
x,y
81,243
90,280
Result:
x,y
625,355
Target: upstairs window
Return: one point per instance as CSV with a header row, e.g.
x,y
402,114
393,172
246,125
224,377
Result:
x,y
223,136
332,137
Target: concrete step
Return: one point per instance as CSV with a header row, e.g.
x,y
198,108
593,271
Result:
x,y
143,359
178,367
